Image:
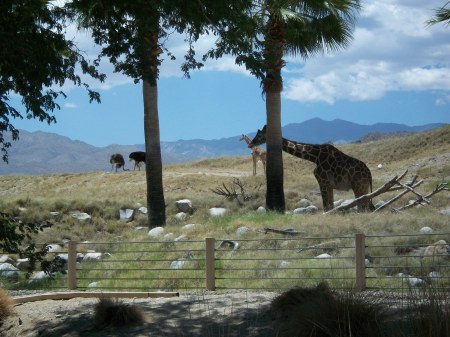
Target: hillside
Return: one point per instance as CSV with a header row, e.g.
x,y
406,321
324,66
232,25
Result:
x,y
43,153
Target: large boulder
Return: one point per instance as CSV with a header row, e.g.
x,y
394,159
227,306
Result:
x,y
185,205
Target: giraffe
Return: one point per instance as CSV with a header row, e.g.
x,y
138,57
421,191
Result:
x,y
257,154
334,169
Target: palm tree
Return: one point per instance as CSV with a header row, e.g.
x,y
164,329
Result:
x,y
441,15
132,35
275,28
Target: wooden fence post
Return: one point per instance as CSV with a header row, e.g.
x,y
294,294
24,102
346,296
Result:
x,y
360,262
72,266
210,264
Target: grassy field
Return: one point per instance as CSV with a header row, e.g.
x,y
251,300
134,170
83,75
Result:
x,y
103,194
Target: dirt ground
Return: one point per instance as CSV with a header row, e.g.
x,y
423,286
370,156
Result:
x,y
241,313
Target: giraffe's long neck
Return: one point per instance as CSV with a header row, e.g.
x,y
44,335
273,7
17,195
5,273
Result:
x,y
305,151
247,140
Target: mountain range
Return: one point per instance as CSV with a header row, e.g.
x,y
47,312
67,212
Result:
x,y
42,153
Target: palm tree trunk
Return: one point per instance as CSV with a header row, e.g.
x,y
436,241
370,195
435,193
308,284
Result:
x,y
153,167
274,170
273,85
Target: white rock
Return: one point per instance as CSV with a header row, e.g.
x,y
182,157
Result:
x,y
304,202
54,247
156,232
178,264
23,264
143,210
312,209
54,213
434,275
168,236
93,256
40,275
426,230
415,281
6,259
80,216
323,256
445,211
380,166
93,285
181,216
180,238
242,230
284,264
126,214
9,271
300,210
217,211
261,209
188,226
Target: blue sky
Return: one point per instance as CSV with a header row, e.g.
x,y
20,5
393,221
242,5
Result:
x,y
395,70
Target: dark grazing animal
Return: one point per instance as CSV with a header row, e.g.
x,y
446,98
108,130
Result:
x,y
117,160
138,157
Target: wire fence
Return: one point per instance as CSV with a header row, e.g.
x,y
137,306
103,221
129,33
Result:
x,y
360,262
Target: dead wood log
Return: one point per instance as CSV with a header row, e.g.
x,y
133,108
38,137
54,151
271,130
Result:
x,y
420,199
289,231
383,189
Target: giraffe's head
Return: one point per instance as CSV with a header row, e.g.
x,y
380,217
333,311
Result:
x,y
260,138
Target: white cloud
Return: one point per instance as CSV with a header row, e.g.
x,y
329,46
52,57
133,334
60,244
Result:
x,y
392,50
70,105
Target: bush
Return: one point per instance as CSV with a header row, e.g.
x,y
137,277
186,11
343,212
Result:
x,y
319,312
116,313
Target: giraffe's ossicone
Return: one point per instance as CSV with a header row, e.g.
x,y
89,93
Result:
x,y
334,169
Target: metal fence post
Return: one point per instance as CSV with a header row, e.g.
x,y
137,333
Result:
x,y
360,259
72,266
210,264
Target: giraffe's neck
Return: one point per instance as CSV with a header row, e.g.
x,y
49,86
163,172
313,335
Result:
x,y
247,140
301,150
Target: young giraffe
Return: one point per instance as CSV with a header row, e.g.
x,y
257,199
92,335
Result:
x,y
257,154
334,170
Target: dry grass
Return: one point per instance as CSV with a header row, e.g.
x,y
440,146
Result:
x,y
6,305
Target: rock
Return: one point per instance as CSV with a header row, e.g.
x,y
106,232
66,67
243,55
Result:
x,y
261,209
143,210
156,232
323,256
284,264
180,238
6,259
93,256
242,230
185,205
445,211
168,236
39,276
9,271
181,216
23,264
188,226
380,166
126,214
80,215
425,230
93,285
415,281
379,204
178,264
55,214
306,210
217,211
234,245
54,247
304,203
439,248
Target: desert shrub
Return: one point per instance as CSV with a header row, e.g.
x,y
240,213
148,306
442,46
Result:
x,y
317,312
109,312
6,305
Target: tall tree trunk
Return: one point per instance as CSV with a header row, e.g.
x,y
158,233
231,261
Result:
x,y
274,169
273,85
153,167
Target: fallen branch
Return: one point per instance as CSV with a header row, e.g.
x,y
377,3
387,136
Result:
x,y
289,231
398,196
420,199
383,189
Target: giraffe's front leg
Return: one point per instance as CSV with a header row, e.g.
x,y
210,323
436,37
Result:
x,y
327,197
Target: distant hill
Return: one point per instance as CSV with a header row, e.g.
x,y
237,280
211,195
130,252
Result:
x,y
41,152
